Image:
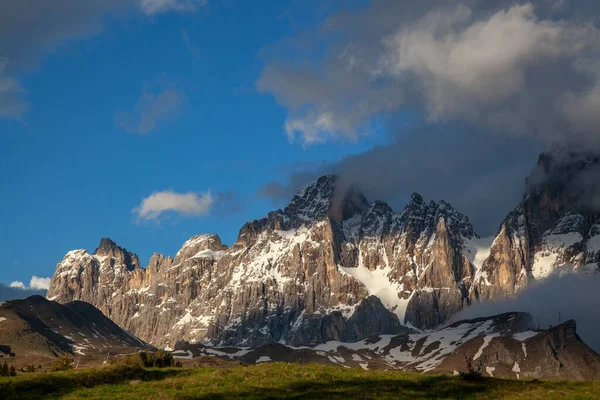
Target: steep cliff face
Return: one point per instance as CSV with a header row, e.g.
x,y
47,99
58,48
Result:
x,y
330,266
554,230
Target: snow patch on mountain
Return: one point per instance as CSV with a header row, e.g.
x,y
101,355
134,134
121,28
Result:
x,y
378,283
553,254
477,250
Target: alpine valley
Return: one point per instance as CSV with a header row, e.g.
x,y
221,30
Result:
x,y
332,267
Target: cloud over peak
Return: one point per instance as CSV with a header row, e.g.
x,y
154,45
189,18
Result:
x,y
12,95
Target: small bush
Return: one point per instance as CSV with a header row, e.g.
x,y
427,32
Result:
x,y
29,368
159,360
62,364
131,360
4,371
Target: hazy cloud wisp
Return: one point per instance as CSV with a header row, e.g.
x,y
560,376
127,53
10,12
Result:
x,y
152,7
13,103
151,109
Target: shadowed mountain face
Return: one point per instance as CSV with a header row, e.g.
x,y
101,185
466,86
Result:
x,y
38,327
332,266
505,346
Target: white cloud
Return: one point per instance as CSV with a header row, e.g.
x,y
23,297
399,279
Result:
x,y
152,7
188,204
37,283
151,109
469,67
17,285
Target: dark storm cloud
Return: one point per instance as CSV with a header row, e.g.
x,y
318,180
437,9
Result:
x,y
512,68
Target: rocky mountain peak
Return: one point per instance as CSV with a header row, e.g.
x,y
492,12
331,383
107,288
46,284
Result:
x,y
421,217
566,179
207,244
108,248
567,160
415,200
329,196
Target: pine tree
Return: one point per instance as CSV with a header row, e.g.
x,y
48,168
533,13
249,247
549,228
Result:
x,y
13,371
4,371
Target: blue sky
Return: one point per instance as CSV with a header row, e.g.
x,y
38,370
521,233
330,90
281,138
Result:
x,y
149,121
71,174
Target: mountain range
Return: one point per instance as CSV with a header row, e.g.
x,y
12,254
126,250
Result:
x,y
332,266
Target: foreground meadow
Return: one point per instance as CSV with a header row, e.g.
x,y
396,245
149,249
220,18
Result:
x,y
287,381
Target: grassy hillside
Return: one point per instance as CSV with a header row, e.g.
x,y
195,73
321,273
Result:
x,y
277,381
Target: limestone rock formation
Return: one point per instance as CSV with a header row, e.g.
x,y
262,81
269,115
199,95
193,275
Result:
x,y
330,266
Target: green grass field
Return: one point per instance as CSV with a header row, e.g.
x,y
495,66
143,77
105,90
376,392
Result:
x,y
278,381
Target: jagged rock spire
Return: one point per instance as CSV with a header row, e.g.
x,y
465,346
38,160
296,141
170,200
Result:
x,y
108,248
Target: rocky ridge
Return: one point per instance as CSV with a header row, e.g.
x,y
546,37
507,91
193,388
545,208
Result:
x,y
504,346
